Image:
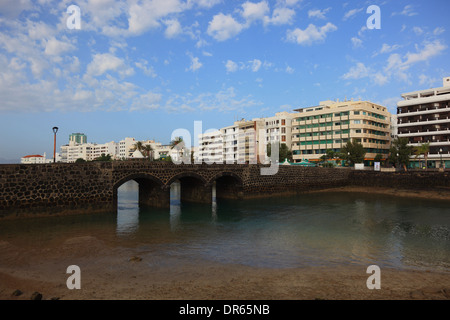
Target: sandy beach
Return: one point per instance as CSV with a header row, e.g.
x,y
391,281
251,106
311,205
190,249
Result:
x,y
112,272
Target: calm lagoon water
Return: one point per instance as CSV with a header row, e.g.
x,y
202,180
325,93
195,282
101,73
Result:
x,y
322,229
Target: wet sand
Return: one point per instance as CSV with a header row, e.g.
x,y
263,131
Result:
x,y
109,272
121,273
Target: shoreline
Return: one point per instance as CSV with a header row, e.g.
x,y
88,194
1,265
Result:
x,y
436,194
109,272
441,193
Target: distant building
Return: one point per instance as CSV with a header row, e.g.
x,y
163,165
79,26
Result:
x,y
424,117
37,158
79,138
33,159
331,124
211,147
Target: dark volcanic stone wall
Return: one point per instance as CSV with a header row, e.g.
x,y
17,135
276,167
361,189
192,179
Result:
x,y
92,186
428,180
50,188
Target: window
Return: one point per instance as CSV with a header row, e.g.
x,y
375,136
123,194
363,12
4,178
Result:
x,y
357,121
283,122
356,113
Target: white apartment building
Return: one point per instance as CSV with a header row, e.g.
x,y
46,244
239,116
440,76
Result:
x,y
87,151
424,117
278,128
246,140
126,148
211,147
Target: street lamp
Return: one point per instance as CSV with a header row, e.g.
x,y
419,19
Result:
x,y
398,162
55,130
440,152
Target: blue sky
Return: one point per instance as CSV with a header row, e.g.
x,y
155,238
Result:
x,y
145,68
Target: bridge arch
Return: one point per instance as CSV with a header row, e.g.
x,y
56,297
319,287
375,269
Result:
x,y
152,191
228,185
193,187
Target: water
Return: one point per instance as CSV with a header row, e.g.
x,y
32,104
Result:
x,y
322,229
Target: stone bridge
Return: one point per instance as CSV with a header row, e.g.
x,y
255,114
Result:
x,y
92,186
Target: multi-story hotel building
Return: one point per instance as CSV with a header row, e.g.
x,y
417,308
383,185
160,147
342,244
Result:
x,y
211,147
331,124
278,128
424,117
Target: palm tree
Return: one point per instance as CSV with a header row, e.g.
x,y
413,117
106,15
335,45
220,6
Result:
x,y
148,151
139,146
175,141
423,149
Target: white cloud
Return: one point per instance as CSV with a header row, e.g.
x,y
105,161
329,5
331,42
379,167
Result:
x,y
254,11
231,66
430,49
206,3
222,27
280,16
438,31
56,47
357,72
407,11
104,62
173,28
349,14
310,34
255,65
195,64
148,70
356,42
317,13
147,101
146,15
289,70
224,100
418,31
387,48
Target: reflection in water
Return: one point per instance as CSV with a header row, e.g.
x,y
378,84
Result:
x,y
323,229
128,208
175,205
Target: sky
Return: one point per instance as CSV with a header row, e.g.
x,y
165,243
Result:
x,y
143,69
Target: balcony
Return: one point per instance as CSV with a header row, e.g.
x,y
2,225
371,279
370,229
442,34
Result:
x,y
421,123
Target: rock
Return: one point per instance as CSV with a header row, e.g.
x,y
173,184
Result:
x,y
135,259
36,296
17,293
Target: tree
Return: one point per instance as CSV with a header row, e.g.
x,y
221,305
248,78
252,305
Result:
x,y
103,157
423,149
138,146
283,152
329,155
400,152
353,152
176,141
378,157
80,160
147,151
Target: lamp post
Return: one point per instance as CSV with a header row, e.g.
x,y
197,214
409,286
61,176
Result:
x,y
55,130
398,162
440,152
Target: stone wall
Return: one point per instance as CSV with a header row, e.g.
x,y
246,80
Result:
x,y
50,188
92,186
428,180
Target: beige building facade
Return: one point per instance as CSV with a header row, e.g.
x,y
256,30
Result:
x,y
331,124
